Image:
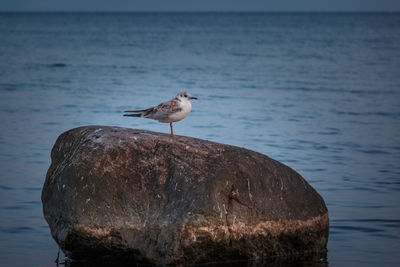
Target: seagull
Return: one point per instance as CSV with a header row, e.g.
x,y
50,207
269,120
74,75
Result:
x,y
171,111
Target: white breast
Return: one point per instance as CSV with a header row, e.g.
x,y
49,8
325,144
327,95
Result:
x,y
186,107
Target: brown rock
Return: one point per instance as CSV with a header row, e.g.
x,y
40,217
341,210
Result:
x,y
147,197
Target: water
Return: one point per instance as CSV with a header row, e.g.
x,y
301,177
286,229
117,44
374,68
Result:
x,y
318,92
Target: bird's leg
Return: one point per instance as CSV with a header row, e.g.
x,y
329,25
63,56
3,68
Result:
x,y
172,130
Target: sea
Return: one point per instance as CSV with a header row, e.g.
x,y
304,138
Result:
x,y
319,92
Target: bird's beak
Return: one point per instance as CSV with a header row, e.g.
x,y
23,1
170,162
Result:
x,y
192,97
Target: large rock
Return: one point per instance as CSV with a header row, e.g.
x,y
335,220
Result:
x,y
149,197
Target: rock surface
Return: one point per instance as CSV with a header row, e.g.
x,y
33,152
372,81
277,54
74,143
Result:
x,y
147,197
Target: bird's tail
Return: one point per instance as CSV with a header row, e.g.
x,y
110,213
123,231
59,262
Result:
x,y
140,113
136,113
133,115
138,110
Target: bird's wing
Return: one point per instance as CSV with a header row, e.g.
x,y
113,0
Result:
x,y
164,110
160,112
170,107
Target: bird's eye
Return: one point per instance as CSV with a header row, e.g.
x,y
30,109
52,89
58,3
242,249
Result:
x,y
185,95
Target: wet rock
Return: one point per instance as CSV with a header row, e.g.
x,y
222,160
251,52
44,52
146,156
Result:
x,y
147,197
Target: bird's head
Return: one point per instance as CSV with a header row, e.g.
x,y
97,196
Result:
x,y
185,96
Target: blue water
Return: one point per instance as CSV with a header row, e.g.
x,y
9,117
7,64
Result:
x,y
318,92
